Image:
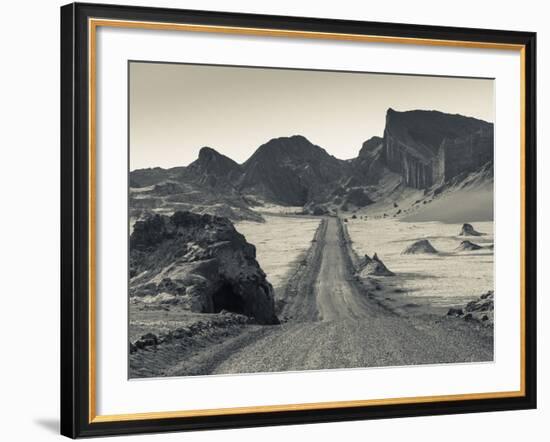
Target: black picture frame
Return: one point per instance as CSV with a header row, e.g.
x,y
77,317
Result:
x,y
75,220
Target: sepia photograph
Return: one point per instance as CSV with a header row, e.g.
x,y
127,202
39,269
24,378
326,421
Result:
x,y
293,219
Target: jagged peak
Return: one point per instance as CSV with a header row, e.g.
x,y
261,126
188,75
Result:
x,y
208,155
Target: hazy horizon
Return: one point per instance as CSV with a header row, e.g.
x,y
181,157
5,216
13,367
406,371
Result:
x,y
176,109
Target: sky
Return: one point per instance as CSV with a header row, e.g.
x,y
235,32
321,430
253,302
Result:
x,y
175,109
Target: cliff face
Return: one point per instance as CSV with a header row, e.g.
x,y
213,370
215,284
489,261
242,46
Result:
x,y
415,168
427,147
201,263
466,154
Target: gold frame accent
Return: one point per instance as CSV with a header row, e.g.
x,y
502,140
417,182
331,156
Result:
x,y
93,24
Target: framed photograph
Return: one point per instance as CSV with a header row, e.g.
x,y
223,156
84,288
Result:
x,y
274,220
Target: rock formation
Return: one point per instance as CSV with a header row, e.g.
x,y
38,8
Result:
x,y
357,197
368,167
467,153
421,246
467,245
213,169
427,147
468,230
203,262
481,309
373,267
419,149
290,170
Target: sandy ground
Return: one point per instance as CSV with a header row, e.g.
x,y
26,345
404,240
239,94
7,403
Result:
x,y
276,209
473,205
426,281
280,242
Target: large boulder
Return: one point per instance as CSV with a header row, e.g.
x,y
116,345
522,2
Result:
x,y
421,246
203,262
373,267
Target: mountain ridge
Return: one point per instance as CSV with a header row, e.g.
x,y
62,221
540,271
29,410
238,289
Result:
x,y
425,148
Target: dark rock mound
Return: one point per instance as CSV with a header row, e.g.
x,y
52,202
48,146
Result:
x,y
467,245
291,171
421,246
481,310
455,312
483,304
373,267
146,340
318,210
203,261
468,230
357,197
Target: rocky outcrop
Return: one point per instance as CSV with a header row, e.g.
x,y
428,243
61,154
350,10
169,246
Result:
x,y
467,246
318,210
427,147
468,230
357,197
480,310
421,246
373,267
202,262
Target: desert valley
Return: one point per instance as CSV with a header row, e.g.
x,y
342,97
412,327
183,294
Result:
x,y
297,260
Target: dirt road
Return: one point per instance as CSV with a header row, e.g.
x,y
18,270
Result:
x,y
332,323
